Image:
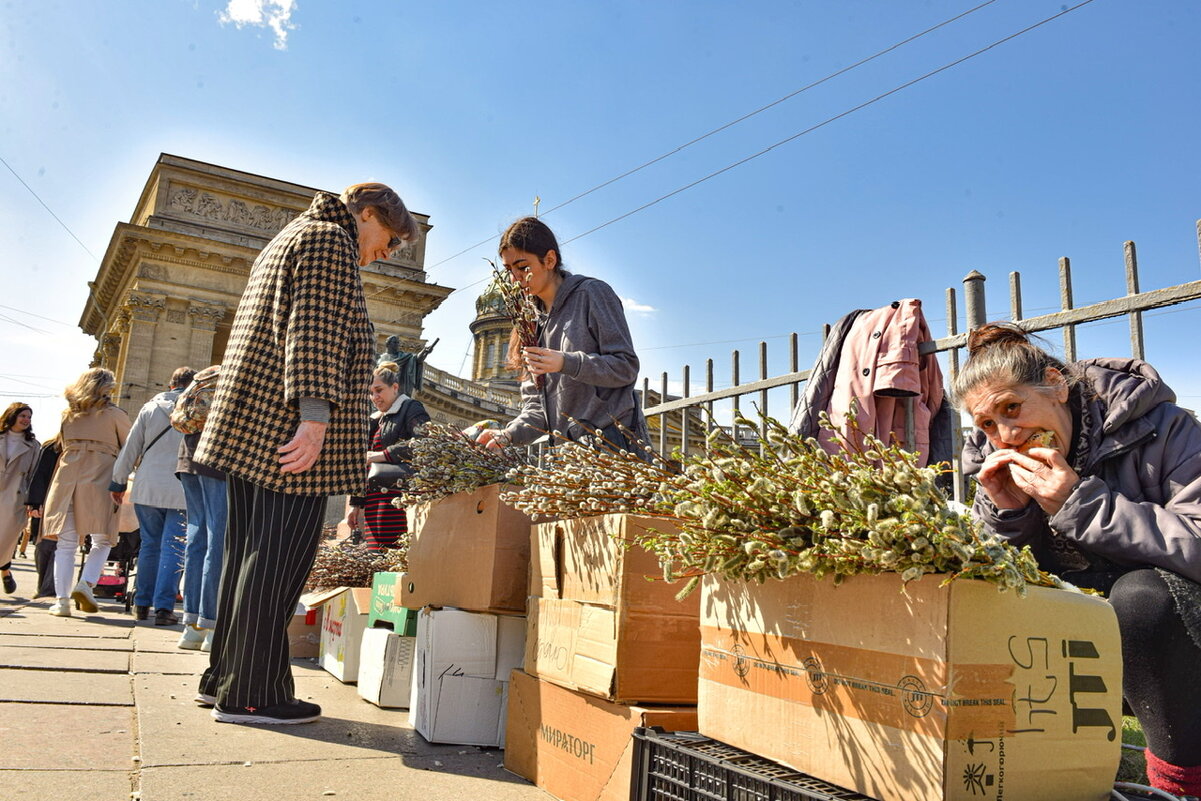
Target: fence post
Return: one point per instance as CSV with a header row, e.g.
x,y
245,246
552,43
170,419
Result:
x,y
663,418
734,382
973,300
1137,349
793,365
1066,302
684,411
1015,296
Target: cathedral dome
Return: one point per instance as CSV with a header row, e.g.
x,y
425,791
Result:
x,y
491,301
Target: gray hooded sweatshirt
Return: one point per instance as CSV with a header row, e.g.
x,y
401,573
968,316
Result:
x,y
1138,501
600,368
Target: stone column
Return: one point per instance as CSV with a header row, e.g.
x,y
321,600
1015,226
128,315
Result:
x,y
143,310
205,317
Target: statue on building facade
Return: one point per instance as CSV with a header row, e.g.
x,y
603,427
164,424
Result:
x,y
410,366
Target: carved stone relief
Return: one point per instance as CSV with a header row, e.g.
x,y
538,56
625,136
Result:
x,y
211,207
206,316
147,308
175,316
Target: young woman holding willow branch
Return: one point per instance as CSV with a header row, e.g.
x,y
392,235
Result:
x,y
578,373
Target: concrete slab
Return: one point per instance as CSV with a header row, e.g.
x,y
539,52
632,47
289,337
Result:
x,y
52,785
388,779
187,663
79,659
174,731
65,687
33,619
54,737
88,643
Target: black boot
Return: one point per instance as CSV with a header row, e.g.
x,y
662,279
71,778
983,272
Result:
x,y
165,617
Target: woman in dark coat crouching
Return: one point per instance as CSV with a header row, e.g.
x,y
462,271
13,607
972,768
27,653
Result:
x,y
1094,466
397,419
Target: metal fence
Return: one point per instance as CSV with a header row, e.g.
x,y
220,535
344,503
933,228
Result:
x,y
682,418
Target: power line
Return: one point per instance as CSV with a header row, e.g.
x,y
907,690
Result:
x,y
772,104
47,208
31,314
730,124
829,120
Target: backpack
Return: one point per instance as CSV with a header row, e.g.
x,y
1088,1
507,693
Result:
x,y
192,406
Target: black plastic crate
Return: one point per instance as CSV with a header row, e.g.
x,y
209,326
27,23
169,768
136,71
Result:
x,y
684,766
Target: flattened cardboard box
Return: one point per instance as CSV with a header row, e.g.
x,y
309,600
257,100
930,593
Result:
x,y
461,675
343,618
575,746
946,694
469,551
598,624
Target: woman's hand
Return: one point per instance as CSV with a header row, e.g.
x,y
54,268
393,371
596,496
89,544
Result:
x,y
1012,479
301,453
492,439
540,361
1044,475
352,517
118,497
34,511
374,457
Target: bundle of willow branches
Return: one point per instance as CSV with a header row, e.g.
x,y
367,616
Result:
x,y
578,480
789,507
446,461
521,309
344,564
779,509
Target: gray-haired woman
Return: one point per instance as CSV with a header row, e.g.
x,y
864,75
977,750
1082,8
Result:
x,y
1094,466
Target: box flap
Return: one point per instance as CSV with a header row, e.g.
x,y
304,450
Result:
x,y
312,600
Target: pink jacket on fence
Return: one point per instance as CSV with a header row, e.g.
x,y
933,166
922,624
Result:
x,y
879,368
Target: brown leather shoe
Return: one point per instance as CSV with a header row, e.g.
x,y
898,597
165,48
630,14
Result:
x,y
141,612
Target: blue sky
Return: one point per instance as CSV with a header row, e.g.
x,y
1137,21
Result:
x,y
1066,141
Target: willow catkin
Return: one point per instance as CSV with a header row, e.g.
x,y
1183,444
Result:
x,y
446,461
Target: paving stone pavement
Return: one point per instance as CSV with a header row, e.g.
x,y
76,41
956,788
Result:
x,y
100,707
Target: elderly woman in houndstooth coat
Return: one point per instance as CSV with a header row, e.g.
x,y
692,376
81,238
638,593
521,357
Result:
x,y
287,426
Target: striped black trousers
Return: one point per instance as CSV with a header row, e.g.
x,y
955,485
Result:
x,y
269,549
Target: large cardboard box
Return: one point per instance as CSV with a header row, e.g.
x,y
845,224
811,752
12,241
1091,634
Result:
x,y
469,551
343,618
940,693
386,668
304,633
605,622
385,612
578,747
461,675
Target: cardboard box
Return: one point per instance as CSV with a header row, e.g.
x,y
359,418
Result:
x,y
343,618
385,612
575,746
386,668
955,693
469,551
304,633
600,626
461,675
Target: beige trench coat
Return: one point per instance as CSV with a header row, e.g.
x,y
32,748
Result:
x,y
90,447
15,475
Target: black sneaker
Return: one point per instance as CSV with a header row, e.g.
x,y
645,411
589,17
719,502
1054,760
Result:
x,y
10,583
293,711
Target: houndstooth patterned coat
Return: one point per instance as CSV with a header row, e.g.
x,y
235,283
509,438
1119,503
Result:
x,y
301,330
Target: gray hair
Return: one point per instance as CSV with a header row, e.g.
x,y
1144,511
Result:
x,y
1002,354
